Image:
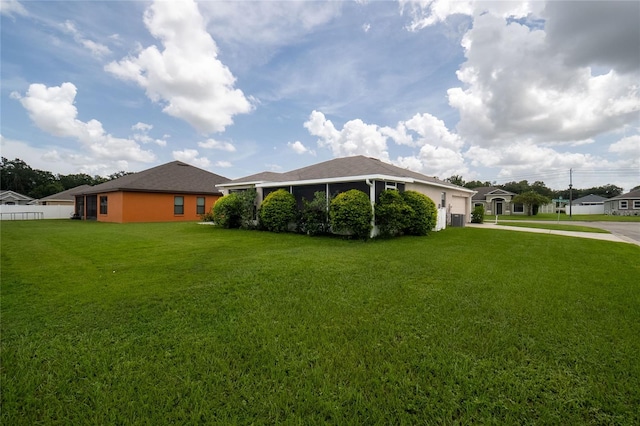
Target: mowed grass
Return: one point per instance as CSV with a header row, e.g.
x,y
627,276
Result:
x,y
184,323
563,217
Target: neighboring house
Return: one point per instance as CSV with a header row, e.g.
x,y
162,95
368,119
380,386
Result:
x,y
590,204
174,191
497,201
64,198
12,198
366,174
624,205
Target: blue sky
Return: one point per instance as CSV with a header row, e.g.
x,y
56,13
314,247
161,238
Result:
x,y
491,91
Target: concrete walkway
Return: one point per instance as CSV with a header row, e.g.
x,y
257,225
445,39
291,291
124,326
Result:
x,y
592,235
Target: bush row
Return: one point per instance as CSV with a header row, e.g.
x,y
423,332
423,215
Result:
x,y
348,213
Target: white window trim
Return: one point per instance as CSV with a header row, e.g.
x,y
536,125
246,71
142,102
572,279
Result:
x,y
636,204
623,204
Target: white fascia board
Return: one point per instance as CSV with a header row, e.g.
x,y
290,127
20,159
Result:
x,y
239,184
441,185
335,180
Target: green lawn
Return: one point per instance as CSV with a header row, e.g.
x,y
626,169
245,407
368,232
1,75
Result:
x,y
185,323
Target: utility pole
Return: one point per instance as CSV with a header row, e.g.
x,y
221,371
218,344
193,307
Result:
x,y
570,191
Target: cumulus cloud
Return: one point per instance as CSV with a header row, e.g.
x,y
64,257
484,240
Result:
x,y
191,156
627,146
141,134
52,109
223,164
355,138
299,148
516,86
185,76
219,145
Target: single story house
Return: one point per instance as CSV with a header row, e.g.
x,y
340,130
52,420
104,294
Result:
x,y
589,204
174,191
12,198
366,174
624,205
497,201
64,198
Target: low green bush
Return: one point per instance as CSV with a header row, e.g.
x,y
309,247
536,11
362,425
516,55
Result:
x,y
227,211
314,217
423,215
477,215
392,213
351,213
277,211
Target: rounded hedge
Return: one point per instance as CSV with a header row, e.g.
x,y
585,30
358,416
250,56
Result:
x,y
392,213
277,211
424,216
351,212
227,211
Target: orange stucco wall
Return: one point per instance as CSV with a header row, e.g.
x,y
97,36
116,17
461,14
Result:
x,y
126,207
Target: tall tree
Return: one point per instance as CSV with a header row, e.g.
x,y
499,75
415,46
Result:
x,y
456,180
531,199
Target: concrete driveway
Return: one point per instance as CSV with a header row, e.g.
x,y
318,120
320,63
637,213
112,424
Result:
x,y
628,232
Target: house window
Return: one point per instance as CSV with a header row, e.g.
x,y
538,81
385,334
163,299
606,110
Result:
x,y
518,208
624,204
636,204
103,204
391,185
200,205
178,205
443,199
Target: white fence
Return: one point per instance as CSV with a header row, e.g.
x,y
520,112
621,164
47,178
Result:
x,y
35,212
594,209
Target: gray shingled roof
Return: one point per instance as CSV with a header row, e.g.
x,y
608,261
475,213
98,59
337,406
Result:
x,y
481,192
175,177
343,167
67,195
628,195
591,198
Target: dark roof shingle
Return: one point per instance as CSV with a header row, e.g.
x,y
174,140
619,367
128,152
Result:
x,y
176,177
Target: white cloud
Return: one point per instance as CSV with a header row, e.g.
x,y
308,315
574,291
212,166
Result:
x,y
97,49
12,7
143,127
299,148
627,146
223,164
191,156
186,76
517,88
141,134
355,138
52,109
219,145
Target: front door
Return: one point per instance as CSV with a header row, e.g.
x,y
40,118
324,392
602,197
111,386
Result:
x,y
498,207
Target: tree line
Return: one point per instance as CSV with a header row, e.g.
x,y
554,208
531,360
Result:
x,y
18,176
539,187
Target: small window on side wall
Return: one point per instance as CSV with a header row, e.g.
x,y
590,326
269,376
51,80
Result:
x,y
624,204
636,204
178,205
103,204
200,205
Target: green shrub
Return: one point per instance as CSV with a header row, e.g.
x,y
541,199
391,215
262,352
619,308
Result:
x,y
234,210
392,213
314,217
277,211
351,213
423,216
477,215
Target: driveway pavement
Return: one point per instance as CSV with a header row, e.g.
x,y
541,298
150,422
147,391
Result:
x,y
621,232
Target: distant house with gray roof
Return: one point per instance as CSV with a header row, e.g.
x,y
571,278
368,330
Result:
x,y
624,205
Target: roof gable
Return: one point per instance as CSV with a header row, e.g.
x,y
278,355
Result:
x,y
12,195
175,177
483,191
591,198
629,195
